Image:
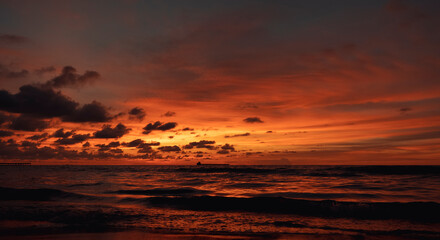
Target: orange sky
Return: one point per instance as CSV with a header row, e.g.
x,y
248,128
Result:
x,y
241,82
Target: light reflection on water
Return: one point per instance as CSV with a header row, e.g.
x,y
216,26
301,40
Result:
x,y
117,196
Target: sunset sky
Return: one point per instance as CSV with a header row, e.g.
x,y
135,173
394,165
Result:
x,y
238,82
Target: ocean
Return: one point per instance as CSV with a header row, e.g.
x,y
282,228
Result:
x,y
343,202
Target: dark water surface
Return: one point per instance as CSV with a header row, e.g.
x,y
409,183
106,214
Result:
x,y
378,202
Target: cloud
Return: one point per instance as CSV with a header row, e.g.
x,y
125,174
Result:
x,y
92,112
137,113
38,137
6,73
134,143
108,132
29,144
159,126
252,120
405,109
13,39
237,135
223,151
61,134
200,144
170,149
228,147
188,129
169,114
44,102
43,70
4,133
4,118
74,139
28,123
111,145
69,78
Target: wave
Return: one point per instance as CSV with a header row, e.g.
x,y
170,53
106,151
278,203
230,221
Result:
x,y
39,194
416,211
164,192
317,171
85,184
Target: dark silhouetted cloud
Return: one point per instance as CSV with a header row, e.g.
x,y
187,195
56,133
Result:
x,y
4,133
107,147
237,135
39,101
169,114
228,147
69,78
6,73
137,113
44,70
28,123
170,148
405,109
61,134
200,144
134,143
38,137
253,120
159,126
108,132
223,151
74,139
188,129
92,112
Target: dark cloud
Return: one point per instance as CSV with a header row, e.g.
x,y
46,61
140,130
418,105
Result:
x,y
223,151
200,144
145,149
107,147
74,139
28,123
69,78
29,144
4,133
6,73
188,129
159,126
4,118
44,102
228,147
134,143
44,70
13,39
253,120
169,114
108,132
170,148
137,113
116,151
405,109
38,137
237,135
61,134
86,145
143,145
92,112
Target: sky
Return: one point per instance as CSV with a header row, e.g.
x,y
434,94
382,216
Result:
x,y
237,82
